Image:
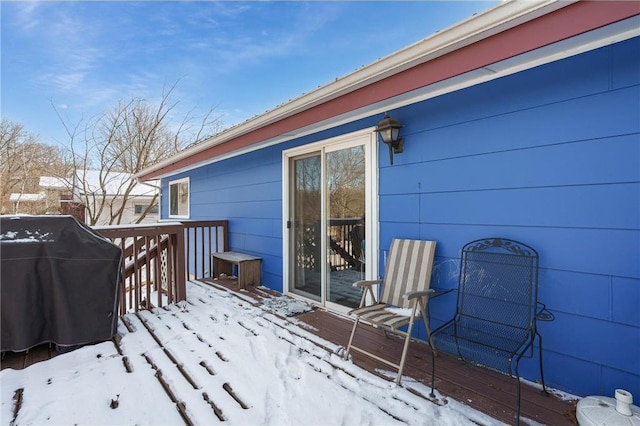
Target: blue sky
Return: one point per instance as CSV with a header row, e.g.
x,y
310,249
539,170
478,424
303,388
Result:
x,y
242,58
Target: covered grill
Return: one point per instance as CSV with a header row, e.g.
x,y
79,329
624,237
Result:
x,y
59,282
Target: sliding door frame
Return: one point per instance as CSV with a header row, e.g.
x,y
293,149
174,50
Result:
x,y
366,137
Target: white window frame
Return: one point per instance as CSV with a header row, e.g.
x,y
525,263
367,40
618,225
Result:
x,y
188,198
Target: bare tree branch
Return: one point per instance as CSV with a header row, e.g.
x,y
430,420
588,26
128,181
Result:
x,y
23,159
123,141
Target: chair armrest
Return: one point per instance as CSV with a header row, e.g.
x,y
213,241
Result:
x,y
543,314
366,283
413,294
437,291
367,289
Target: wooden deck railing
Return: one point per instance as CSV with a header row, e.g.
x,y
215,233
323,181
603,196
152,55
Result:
x,y
346,236
159,258
202,239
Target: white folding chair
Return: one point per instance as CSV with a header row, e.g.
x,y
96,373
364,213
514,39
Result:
x,y
404,297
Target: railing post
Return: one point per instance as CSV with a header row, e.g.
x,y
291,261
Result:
x,y
225,236
181,270
143,249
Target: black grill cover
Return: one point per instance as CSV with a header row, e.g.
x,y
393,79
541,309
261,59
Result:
x,y
59,282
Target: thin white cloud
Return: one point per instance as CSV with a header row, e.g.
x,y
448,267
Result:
x,y
90,55
75,53
234,46
26,17
80,47
63,81
60,40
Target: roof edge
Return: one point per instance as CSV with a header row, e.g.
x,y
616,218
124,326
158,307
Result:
x,y
477,27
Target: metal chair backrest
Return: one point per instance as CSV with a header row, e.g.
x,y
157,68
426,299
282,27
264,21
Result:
x,y
409,266
498,284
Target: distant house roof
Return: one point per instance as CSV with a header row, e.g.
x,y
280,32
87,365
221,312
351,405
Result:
x,y
92,181
51,182
511,37
112,183
18,197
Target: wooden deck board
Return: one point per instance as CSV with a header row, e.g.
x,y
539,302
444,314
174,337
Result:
x,y
484,390
20,360
489,392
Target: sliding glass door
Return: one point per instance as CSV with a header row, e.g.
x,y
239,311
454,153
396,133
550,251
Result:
x,y
330,199
306,217
345,231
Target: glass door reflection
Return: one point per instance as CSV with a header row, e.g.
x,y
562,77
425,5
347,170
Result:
x,y
345,231
306,252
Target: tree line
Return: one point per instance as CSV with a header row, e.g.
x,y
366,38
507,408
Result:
x,y
122,141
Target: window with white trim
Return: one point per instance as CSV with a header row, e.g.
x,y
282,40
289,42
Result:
x,y
179,198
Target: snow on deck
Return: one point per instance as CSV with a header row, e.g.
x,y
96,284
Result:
x,y
218,358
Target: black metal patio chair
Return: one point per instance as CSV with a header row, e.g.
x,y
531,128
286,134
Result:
x,y
495,322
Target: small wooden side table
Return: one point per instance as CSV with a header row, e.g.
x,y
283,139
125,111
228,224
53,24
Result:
x,y
248,267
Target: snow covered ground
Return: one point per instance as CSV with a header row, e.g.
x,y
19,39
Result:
x,y
223,360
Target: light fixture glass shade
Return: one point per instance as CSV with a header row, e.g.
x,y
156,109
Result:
x,y
395,132
387,134
389,129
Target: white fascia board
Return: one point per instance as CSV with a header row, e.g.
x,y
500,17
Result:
x,y
486,24
500,18
622,30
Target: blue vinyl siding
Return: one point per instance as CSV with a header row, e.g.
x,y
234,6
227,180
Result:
x,y
549,156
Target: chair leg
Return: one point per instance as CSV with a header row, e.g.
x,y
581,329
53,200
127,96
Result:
x,y
544,388
433,374
353,333
424,311
406,343
404,352
518,403
518,392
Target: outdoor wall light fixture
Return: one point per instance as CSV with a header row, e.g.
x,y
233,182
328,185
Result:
x,y
389,130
